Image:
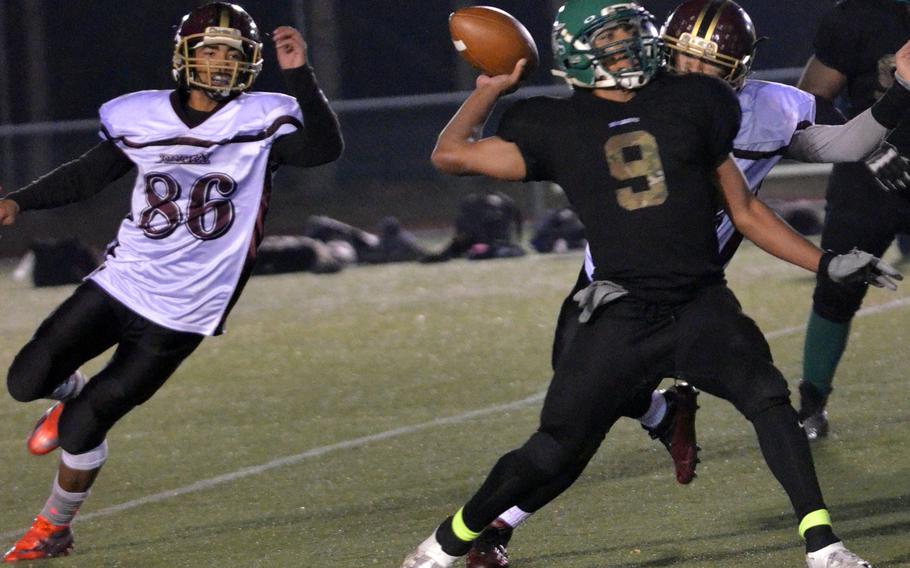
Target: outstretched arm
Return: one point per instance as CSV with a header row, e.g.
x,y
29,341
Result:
x,y
758,223
460,151
73,181
855,140
831,144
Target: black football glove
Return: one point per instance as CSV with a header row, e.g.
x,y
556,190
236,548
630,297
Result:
x,y
890,169
858,267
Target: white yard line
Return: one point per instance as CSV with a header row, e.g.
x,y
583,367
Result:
x,y
297,458
388,434
871,310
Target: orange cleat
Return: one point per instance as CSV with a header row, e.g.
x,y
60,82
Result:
x,y
43,540
44,438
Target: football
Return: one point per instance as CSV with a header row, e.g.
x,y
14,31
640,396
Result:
x,y
491,40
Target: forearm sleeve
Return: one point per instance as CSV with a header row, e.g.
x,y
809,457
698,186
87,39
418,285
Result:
x,y
850,142
891,108
319,141
76,180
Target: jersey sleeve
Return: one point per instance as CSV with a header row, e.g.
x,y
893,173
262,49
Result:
x,y
723,115
772,112
110,114
521,125
318,140
76,180
130,117
836,39
282,114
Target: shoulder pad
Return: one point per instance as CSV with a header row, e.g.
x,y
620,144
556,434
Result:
x,y
122,112
771,114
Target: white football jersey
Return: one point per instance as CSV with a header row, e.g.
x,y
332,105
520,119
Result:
x,y
772,112
771,115
186,248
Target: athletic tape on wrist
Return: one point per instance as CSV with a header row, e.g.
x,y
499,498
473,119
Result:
x,y
890,109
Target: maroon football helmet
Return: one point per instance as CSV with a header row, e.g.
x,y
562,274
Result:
x,y
717,31
217,23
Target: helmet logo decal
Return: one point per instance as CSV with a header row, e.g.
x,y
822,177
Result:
x,y
219,31
227,36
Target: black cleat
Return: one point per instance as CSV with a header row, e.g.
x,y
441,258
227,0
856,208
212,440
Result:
x,y
489,549
813,417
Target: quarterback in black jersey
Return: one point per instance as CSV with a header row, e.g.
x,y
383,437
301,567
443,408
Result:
x,y
855,49
644,158
645,226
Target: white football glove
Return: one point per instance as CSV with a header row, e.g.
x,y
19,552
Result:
x,y
890,169
859,267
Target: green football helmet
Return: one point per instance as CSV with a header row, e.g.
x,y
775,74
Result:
x,y
584,50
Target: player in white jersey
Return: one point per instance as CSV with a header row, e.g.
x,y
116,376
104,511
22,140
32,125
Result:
x,y
714,37
204,155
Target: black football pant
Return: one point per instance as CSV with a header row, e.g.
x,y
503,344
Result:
x,y
627,348
857,214
81,328
567,325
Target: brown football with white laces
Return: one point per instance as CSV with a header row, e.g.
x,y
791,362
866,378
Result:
x,y
492,40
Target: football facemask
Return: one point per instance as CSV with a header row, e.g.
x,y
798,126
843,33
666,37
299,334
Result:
x,y
606,44
217,24
718,32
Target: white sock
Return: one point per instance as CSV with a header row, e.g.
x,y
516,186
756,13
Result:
x,y
62,505
70,388
656,411
514,517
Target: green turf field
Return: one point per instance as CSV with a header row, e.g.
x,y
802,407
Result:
x,y
332,426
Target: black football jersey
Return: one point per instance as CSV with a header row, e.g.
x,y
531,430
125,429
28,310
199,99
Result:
x,y
640,176
859,39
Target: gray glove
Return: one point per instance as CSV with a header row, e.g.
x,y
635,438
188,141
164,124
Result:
x,y
858,267
891,170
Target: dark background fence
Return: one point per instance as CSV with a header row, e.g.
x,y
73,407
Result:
x,y
388,65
